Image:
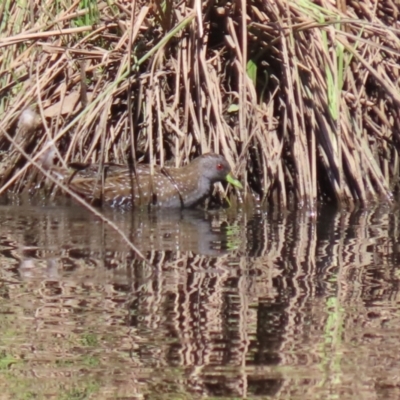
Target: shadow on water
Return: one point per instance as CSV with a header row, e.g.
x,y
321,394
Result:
x,y
283,305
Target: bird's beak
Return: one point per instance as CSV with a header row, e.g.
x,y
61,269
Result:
x,y
233,181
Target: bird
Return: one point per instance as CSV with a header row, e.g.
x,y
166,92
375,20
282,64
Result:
x,y
119,186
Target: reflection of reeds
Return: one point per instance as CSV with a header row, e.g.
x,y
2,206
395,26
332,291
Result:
x,y
298,299
301,99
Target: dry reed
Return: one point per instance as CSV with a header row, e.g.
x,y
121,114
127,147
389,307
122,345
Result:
x,y
301,97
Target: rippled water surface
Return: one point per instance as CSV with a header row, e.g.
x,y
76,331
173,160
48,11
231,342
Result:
x,y
255,306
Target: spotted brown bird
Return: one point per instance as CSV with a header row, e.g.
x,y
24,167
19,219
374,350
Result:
x,y
120,186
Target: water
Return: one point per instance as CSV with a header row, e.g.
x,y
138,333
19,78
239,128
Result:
x,y
228,306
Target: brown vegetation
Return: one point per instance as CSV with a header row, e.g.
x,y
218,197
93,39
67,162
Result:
x,y
301,97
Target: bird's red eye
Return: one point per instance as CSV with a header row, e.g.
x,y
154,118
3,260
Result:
x,y
220,167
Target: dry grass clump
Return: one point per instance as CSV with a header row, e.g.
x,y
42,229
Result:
x,y
301,97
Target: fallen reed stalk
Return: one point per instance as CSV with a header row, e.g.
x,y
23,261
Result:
x,y
77,198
